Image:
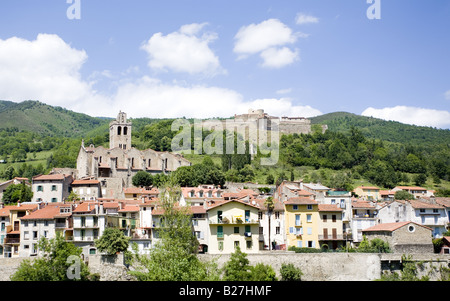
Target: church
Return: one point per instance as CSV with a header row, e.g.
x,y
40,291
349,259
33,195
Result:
x,y
115,167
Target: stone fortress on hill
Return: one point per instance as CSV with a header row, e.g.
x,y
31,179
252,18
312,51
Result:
x,y
285,125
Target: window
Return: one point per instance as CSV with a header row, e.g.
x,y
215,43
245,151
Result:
x,y
294,207
249,244
40,188
247,216
219,231
236,230
54,188
297,220
248,229
324,218
54,200
309,218
333,201
333,218
260,215
46,223
277,215
236,244
309,207
220,246
35,234
277,230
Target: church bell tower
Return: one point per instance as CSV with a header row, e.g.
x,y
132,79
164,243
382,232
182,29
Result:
x,y
120,132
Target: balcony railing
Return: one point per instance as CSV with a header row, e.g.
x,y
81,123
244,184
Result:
x,y
332,237
12,241
216,221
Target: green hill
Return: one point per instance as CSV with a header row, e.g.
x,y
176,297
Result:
x,y
375,128
40,118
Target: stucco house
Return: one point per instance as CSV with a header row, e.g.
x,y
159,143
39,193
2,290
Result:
x,y
403,237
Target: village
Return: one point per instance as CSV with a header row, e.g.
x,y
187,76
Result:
x,y
256,218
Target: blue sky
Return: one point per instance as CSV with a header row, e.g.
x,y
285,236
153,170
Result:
x,y
217,58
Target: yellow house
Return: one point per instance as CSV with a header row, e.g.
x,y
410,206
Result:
x,y
368,193
302,222
232,223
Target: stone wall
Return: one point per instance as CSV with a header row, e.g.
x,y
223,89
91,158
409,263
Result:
x,y
318,266
314,266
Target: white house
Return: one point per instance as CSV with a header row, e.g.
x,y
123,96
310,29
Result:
x,y
51,188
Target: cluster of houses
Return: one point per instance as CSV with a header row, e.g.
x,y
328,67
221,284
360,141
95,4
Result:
x,y
304,215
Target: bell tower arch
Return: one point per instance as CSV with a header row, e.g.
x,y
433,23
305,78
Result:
x,y
120,132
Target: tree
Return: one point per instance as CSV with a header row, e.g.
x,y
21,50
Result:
x,y
420,179
142,179
263,272
403,195
237,268
269,203
112,241
173,257
16,193
55,264
290,273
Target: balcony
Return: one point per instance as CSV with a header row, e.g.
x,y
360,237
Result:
x,y
332,237
232,221
12,241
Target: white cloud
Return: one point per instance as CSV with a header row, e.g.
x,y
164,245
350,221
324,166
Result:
x,y
280,107
447,95
258,37
267,38
302,18
277,58
412,115
46,69
284,91
153,98
184,51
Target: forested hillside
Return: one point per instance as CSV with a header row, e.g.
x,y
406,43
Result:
x,y
354,150
40,118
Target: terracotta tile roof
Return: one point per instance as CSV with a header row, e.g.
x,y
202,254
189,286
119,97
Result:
x,y
129,208
389,227
48,212
85,182
443,201
423,205
301,201
220,203
85,207
329,207
51,177
410,188
362,204
369,187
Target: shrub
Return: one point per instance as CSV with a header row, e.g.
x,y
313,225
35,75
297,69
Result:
x,y
290,273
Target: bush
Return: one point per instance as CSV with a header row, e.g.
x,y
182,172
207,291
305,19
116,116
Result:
x,y
290,273
304,250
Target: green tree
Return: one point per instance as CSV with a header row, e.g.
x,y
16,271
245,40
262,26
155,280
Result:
x,y
16,193
173,257
263,272
289,272
55,263
238,267
142,179
403,195
112,241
